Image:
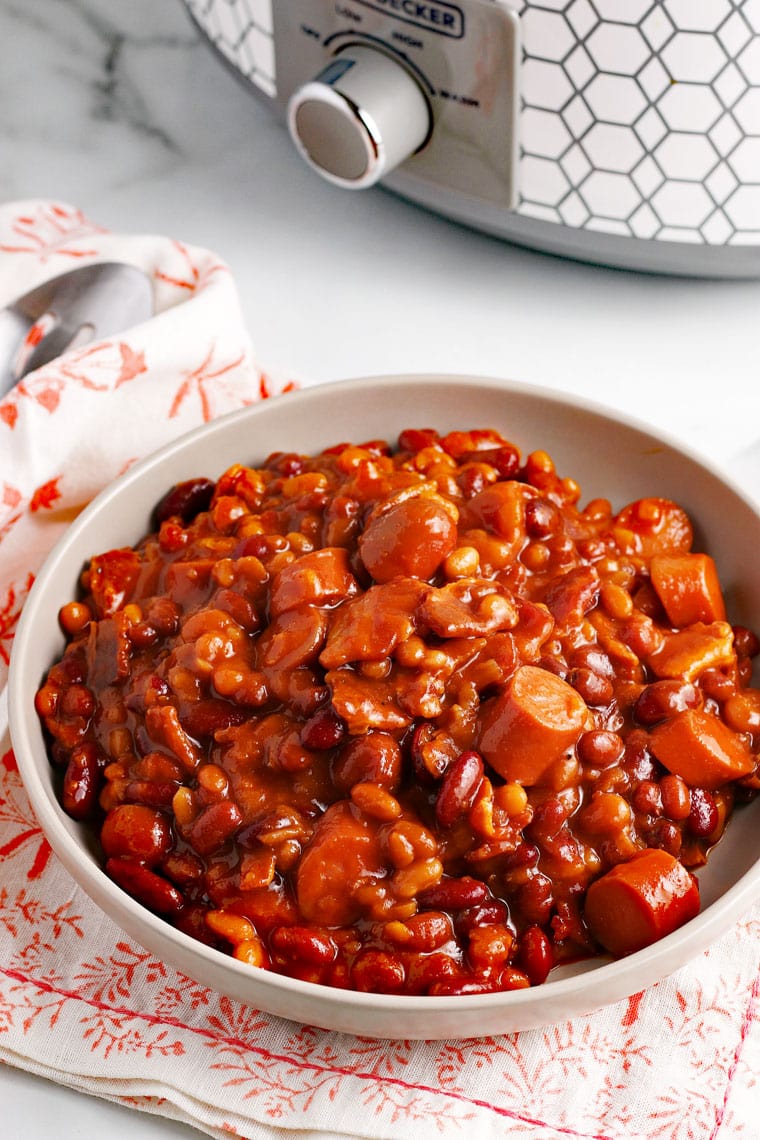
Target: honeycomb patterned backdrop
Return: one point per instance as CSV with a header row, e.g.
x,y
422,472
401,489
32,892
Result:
x,y
638,119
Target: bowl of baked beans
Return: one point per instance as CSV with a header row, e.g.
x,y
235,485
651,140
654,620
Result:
x,y
413,707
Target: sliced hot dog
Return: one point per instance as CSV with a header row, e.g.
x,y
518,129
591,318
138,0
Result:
x,y
702,749
639,902
529,726
688,587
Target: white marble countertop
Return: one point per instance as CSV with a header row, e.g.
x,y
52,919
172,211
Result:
x,y
121,110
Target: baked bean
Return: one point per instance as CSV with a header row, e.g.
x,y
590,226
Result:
x,y
383,719
600,748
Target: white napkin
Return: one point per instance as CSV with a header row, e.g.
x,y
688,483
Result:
x,y
82,1004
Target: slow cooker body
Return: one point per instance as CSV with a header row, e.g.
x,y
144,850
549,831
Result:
x,y
622,132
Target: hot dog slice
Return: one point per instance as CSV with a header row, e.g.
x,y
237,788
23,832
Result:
x,y
529,726
688,587
702,749
639,902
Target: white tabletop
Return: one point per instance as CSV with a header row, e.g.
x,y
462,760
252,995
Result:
x,y
121,110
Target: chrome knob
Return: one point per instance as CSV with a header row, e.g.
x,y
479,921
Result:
x,y
363,115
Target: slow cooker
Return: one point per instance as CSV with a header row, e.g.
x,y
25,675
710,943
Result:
x,y
622,132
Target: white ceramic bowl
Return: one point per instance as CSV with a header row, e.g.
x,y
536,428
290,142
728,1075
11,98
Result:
x,y
611,457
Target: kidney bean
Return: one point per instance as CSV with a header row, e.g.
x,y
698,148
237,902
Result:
x,y
421,933
458,788
431,752
323,730
535,899
666,836
637,758
647,798
746,641
454,894
600,748
595,689
153,793
487,913
202,719
703,815
506,460
535,955
304,944
152,890
184,500
542,518
82,782
717,684
214,826
663,699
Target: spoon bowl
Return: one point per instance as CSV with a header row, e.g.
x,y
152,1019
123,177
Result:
x,y
69,311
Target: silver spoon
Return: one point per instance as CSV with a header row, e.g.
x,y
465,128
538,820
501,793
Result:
x,y
69,311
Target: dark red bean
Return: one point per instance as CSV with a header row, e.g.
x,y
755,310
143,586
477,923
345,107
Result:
x,y
535,899
376,971
323,730
746,643
506,460
647,798
593,658
703,813
535,955
154,793
637,759
663,699
286,463
415,439
459,788
201,719
214,826
81,782
599,748
302,944
666,835
153,891
595,689
454,895
541,518
717,684
485,914
79,701
524,855
184,501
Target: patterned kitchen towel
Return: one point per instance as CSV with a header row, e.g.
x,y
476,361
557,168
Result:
x,y
82,1004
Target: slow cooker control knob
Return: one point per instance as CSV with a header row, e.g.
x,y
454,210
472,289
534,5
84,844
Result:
x,y
360,117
